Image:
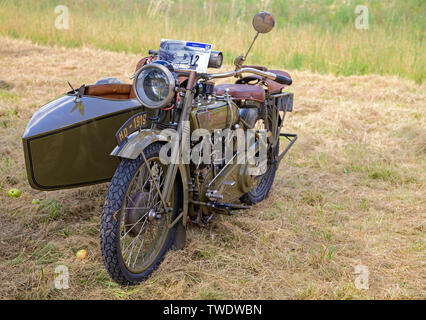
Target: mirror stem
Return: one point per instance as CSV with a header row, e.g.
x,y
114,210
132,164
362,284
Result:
x,y
255,37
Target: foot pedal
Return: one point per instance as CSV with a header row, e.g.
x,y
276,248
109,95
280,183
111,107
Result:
x,y
214,195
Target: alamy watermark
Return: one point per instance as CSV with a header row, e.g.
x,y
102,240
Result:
x,y
227,146
361,280
62,276
361,20
62,18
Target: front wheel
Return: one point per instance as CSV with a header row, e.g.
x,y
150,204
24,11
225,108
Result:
x,y
135,233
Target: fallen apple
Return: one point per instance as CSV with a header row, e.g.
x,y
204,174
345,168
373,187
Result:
x,y
35,201
81,254
14,193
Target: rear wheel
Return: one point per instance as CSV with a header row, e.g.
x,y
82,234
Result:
x,y
263,183
135,233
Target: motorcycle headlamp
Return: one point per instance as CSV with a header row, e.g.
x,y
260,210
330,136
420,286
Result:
x,y
154,86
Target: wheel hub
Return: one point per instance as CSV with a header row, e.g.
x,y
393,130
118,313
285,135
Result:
x,y
152,215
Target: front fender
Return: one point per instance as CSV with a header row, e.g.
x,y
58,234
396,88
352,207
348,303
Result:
x,y
135,145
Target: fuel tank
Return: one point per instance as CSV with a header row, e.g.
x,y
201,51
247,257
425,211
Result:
x,y
212,115
67,142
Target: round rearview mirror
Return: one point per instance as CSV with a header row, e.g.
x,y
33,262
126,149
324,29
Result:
x,y
263,22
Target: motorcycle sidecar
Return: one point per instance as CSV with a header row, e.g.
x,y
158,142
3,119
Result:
x,y
67,143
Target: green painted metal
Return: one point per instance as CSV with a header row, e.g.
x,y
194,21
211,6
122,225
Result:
x,y
67,143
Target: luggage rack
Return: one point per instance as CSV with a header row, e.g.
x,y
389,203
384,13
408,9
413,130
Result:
x,y
284,102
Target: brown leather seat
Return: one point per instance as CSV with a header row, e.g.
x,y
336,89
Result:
x,y
111,91
241,91
273,87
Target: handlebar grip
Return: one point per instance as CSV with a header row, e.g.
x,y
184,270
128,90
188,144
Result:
x,y
283,80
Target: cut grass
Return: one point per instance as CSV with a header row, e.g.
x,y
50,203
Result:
x,y
54,209
47,254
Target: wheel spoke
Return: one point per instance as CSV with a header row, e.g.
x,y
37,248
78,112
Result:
x,y
137,255
135,238
133,225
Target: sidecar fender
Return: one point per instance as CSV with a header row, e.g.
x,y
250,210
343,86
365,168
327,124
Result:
x,y
134,146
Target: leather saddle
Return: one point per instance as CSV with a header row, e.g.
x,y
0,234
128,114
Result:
x,y
241,91
272,86
246,88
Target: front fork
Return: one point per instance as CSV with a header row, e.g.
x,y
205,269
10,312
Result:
x,y
177,153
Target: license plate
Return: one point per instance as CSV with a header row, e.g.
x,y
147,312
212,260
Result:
x,y
137,122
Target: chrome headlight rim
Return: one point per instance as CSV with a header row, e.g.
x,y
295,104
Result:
x,y
143,98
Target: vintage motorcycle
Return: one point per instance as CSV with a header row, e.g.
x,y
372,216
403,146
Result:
x,y
156,187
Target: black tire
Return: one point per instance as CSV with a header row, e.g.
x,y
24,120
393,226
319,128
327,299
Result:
x,y
112,217
261,191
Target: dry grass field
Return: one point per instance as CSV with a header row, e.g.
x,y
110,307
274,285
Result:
x,y
351,192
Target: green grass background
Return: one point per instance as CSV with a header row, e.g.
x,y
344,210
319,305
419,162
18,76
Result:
x,y
317,35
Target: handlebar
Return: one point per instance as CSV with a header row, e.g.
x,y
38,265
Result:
x,y
266,74
283,80
261,71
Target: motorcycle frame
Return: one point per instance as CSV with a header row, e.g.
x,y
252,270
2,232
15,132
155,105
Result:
x,y
135,146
